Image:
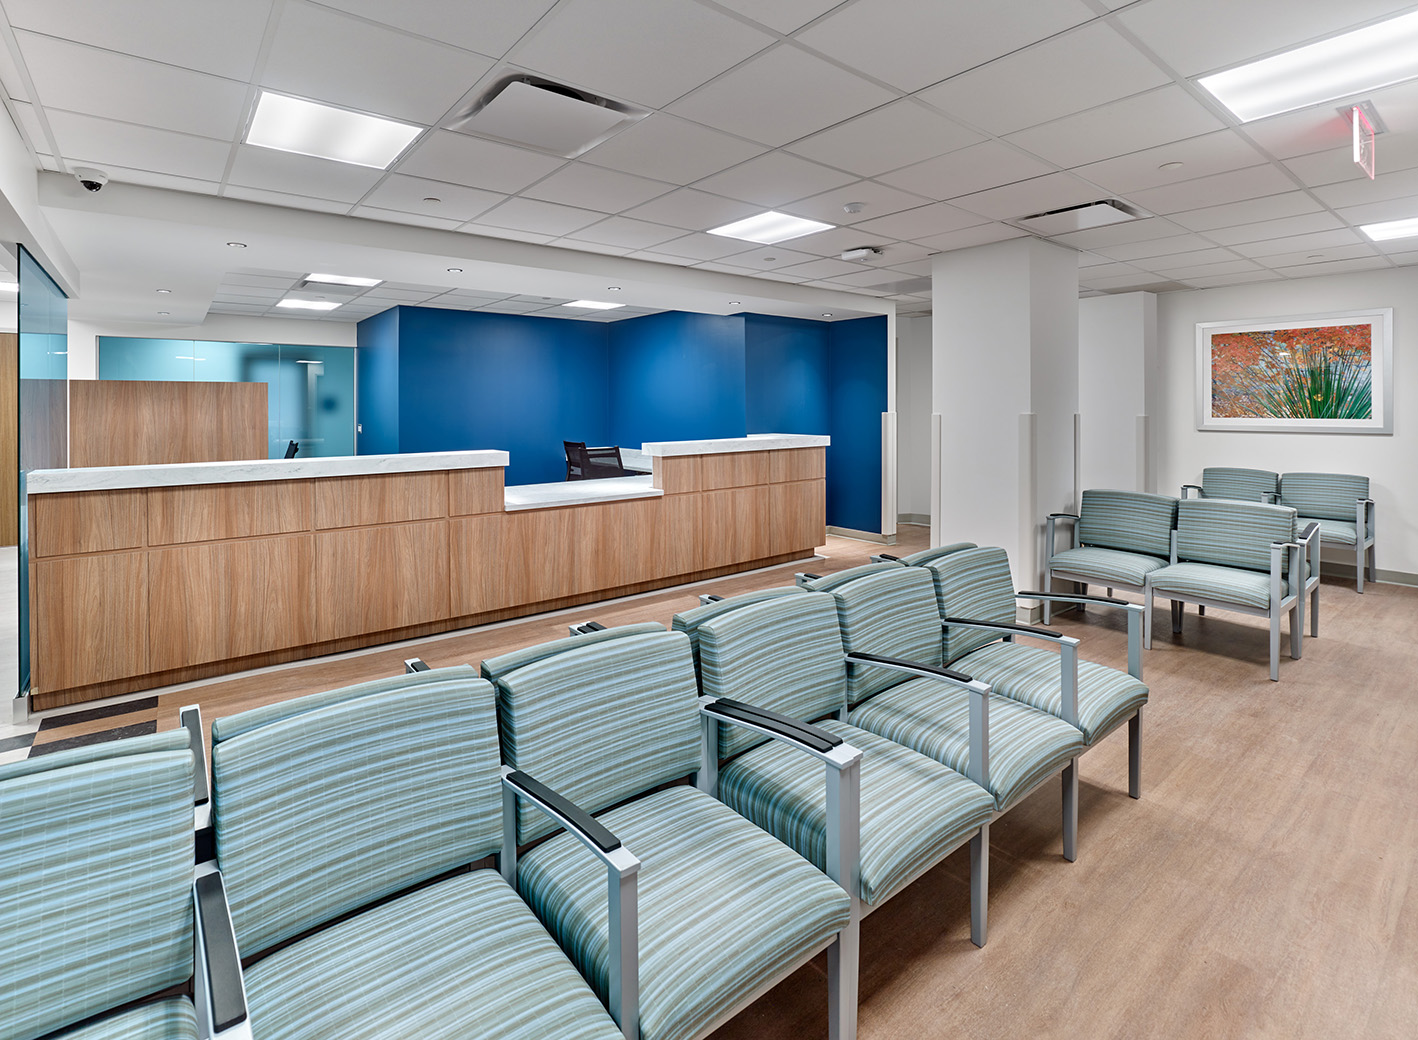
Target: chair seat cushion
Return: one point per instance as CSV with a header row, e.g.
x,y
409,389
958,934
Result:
x,y
1223,584
1031,674
1335,532
725,908
1107,565
462,958
915,811
1026,745
163,1020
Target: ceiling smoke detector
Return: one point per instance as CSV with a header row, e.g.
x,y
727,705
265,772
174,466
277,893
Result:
x,y
1078,218
861,253
536,113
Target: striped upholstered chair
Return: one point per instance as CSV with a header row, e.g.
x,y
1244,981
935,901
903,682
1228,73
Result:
x,y
887,610
784,653
1119,537
98,899
346,821
611,720
1340,504
1245,557
976,599
1246,485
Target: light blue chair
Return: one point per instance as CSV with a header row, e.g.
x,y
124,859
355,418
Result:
x,y
1245,485
345,823
100,903
611,719
781,650
1340,504
1119,537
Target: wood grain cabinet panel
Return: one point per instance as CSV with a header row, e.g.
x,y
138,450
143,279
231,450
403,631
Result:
x,y
207,512
472,491
386,498
736,469
88,521
797,464
676,475
134,422
797,516
89,619
380,578
230,599
485,570
734,525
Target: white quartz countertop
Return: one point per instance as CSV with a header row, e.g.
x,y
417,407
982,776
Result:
x,y
723,446
104,478
578,492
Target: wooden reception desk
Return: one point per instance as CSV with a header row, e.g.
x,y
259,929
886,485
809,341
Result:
x,y
142,576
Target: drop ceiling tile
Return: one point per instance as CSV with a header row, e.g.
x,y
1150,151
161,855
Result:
x,y
390,294
541,218
895,135
670,149
1217,281
114,86
644,51
928,41
703,247
774,178
1219,152
507,307
1392,209
1154,247
390,216
459,159
878,200
1142,121
917,268
967,170
982,235
1220,188
1311,243
1265,230
593,247
488,27
1113,234
662,258
1386,186
474,295
922,222
1084,67
595,187
830,243
1333,166
692,210
301,175
1099,272
222,39
881,281
1270,207
1023,198
1191,258
101,142
1298,133
328,56
281,198
769,258
825,268
262,281
1144,281
1196,36
782,16
1317,254
624,231
149,179
489,231
455,202
1334,267
781,95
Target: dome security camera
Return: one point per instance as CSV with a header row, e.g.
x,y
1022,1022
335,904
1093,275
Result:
x,y
92,180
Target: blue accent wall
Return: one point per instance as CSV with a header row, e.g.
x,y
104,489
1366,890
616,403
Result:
x,y
787,385
676,377
856,352
519,383
377,384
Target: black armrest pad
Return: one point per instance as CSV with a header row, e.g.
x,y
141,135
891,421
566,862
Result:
x,y
811,577
897,662
1063,516
712,598
593,626
415,664
1309,530
219,953
818,739
1110,600
888,556
599,834
1003,626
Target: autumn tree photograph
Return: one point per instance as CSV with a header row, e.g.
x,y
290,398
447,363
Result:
x,y
1320,372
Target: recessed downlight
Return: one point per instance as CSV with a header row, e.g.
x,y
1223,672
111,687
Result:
x,y
770,228
612,288
1171,166
289,124
163,313
735,303
827,314
237,245
454,270
163,291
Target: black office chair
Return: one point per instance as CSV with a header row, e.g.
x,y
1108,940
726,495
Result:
x,y
291,449
583,463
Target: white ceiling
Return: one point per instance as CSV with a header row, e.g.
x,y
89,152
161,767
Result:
x,y
946,121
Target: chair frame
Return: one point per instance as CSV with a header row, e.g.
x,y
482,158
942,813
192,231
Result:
x,y
1048,597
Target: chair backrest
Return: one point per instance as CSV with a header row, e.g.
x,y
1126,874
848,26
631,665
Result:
x,y
889,610
1248,485
604,462
689,621
1329,496
96,876
327,803
935,552
975,584
600,718
1130,521
783,653
576,461
1231,533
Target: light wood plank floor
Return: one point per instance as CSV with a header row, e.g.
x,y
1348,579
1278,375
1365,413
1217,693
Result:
x,y
1262,887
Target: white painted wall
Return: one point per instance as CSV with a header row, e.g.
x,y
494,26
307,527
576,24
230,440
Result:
x,y
913,423
1117,346
1390,462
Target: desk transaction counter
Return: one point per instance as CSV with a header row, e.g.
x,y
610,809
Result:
x,y
144,576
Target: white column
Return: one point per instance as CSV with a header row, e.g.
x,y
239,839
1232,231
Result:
x,y
1117,349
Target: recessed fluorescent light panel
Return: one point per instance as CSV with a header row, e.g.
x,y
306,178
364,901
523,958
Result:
x,y
1391,229
340,279
770,228
1352,63
308,305
593,305
290,124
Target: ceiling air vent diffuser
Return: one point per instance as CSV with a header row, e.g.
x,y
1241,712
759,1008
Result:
x,y
536,113
1078,218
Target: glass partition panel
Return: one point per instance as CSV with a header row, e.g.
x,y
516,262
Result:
x,y
44,408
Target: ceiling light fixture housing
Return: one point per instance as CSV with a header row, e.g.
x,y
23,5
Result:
x,y
861,253
593,305
770,228
1351,63
308,305
1078,218
1385,230
532,112
291,124
342,279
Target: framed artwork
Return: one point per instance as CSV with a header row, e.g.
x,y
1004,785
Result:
x,y
1328,373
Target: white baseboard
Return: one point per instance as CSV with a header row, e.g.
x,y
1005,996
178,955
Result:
x,y
863,536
